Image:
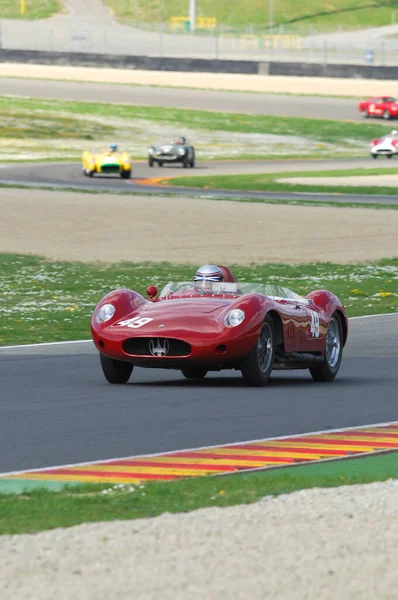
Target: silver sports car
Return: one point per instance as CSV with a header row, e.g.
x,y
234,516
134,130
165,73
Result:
x,y
178,151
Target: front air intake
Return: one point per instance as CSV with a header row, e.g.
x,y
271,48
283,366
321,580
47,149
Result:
x,y
141,346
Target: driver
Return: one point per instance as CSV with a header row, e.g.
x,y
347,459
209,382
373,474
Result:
x,y
113,147
181,141
207,274
210,273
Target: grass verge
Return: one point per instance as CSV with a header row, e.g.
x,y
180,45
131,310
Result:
x,y
47,129
34,9
289,16
268,182
41,509
43,301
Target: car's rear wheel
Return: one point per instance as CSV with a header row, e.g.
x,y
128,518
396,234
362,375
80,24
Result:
x,y
256,368
150,161
194,372
374,155
160,164
327,371
115,371
386,115
389,155
192,162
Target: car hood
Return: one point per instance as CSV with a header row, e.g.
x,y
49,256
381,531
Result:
x,y
174,316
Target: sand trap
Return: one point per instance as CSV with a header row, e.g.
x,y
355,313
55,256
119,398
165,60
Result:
x,y
91,227
217,81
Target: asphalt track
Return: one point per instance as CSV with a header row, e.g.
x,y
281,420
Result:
x,y
56,407
69,175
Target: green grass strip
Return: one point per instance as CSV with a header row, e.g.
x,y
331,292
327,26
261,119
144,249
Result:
x,y
268,182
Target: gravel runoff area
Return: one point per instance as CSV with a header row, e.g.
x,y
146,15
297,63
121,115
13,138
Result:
x,y
109,228
312,544
315,544
212,81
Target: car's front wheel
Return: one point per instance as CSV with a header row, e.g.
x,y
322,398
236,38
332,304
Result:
x,y
256,368
386,115
115,371
125,174
374,155
194,372
150,161
389,155
327,371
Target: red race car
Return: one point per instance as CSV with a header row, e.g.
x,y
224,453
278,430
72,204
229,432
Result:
x,y
380,106
204,326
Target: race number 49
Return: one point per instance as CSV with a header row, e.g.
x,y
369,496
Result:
x,y
314,324
135,322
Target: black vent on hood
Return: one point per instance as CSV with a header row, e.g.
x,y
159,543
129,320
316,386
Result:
x,y
141,346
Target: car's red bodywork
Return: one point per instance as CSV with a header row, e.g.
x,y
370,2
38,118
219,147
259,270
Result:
x,y
188,327
379,106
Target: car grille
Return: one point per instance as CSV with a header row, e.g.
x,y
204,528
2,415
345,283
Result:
x,y
110,168
166,155
141,346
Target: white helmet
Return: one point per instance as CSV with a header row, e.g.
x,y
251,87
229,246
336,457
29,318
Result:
x,y
208,273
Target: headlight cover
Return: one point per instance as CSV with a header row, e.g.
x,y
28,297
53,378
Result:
x,y
105,313
181,151
234,317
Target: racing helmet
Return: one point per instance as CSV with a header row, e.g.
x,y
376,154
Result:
x,y
208,273
113,147
182,140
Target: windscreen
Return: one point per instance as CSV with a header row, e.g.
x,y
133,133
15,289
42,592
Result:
x,y
222,288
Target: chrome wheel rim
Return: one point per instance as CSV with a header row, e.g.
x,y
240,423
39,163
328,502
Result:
x,y
265,348
333,343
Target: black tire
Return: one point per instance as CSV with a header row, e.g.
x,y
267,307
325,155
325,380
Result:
x,y
389,155
192,162
374,155
365,114
115,371
90,173
333,352
150,161
185,163
125,174
194,372
256,368
160,164
386,115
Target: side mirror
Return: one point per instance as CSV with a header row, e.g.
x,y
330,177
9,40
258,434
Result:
x,y
152,292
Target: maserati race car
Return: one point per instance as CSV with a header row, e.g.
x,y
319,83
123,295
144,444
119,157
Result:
x,y
381,106
387,145
179,151
197,327
107,162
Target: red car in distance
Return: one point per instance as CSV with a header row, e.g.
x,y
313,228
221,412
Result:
x,y
385,107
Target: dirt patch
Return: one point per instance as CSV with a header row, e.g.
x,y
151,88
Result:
x,y
215,81
101,227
